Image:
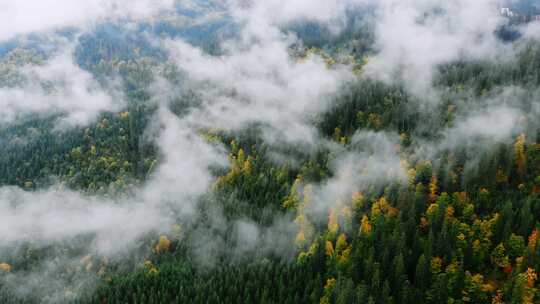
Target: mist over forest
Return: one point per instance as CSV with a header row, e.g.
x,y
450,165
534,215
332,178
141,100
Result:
x,y
267,151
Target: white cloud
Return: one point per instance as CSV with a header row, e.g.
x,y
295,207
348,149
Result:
x,y
414,37
58,86
269,87
531,30
375,162
27,16
54,215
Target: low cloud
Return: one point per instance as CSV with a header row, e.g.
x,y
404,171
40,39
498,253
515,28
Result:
x,y
414,37
531,30
373,162
58,86
262,84
24,17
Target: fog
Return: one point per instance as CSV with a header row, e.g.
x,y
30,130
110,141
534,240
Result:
x,y
255,80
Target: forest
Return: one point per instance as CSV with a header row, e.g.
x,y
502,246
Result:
x,y
259,154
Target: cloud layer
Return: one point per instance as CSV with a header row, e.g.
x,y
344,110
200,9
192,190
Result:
x,y
24,17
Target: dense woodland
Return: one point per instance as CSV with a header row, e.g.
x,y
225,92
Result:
x,y
448,234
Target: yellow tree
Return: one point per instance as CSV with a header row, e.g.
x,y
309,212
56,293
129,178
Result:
x,y
328,290
531,276
498,298
380,207
529,279
293,199
341,242
519,154
333,225
499,257
163,245
433,189
5,267
329,248
533,238
357,200
365,225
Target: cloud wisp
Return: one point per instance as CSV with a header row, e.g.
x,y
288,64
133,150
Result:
x,y
57,86
414,37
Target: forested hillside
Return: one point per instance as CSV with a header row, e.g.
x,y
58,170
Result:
x,y
357,152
